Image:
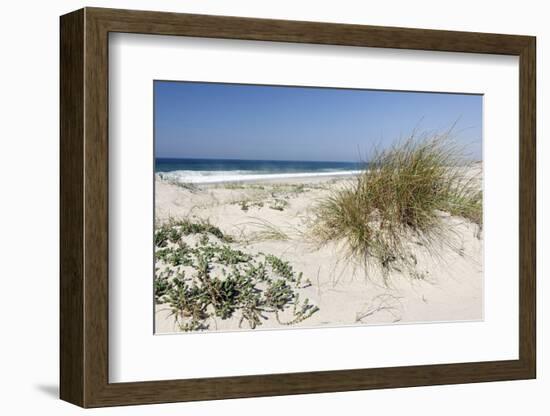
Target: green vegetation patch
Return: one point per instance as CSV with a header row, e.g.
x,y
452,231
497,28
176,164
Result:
x,y
399,199
211,280
278,204
173,230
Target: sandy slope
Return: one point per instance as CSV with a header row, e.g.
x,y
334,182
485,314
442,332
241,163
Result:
x,y
446,288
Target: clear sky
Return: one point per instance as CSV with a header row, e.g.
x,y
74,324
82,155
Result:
x,y
233,121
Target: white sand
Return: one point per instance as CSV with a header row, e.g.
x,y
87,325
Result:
x,y
446,288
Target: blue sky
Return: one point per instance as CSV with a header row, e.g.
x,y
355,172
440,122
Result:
x,y
234,121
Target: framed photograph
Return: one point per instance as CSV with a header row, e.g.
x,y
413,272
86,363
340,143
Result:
x,y
255,207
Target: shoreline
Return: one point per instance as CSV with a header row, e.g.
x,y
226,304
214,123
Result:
x,y
253,178
198,178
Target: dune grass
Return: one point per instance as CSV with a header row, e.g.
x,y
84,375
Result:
x,y
399,199
267,231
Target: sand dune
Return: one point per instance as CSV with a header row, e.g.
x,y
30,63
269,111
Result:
x,y
273,217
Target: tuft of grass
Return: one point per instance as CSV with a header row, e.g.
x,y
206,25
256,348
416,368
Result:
x,y
267,231
233,185
399,198
240,185
246,204
464,201
278,204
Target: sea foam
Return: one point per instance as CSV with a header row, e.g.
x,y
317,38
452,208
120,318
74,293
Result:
x,y
209,177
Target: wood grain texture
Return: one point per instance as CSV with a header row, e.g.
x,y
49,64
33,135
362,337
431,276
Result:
x,y
84,207
162,23
96,207
71,185
527,208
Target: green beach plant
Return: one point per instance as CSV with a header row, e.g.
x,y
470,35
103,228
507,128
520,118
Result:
x,y
222,282
246,204
173,230
278,204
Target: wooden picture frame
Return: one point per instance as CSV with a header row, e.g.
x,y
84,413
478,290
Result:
x,y
84,207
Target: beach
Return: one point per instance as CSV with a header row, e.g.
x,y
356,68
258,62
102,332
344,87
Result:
x,y
271,214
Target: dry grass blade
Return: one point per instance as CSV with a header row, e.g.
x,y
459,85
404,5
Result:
x,y
266,231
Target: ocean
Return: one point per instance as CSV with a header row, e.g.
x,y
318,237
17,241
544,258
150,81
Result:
x,y
199,171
